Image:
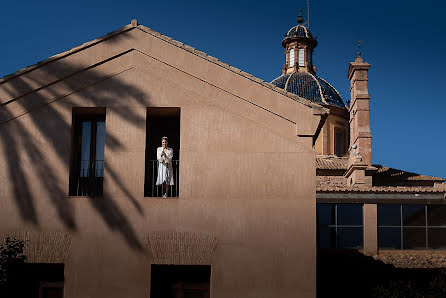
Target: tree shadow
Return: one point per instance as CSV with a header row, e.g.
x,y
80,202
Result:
x,y
45,109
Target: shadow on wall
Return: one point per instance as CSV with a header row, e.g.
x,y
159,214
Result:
x,y
14,135
350,273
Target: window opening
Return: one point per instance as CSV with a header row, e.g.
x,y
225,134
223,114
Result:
x,y
301,57
185,281
87,159
162,173
411,226
34,280
292,57
339,226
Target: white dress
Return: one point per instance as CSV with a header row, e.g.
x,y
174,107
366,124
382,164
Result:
x,y
165,170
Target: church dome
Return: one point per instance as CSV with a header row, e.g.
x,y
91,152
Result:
x,y
311,87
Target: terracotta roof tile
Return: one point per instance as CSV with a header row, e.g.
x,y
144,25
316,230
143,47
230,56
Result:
x,y
381,189
382,173
331,163
421,259
395,174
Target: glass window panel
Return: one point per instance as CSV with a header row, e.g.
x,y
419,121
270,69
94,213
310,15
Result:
x,y
350,214
350,238
437,237
301,57
325,214
436,215
389,237
85,150
292,57
414,238
414,215
326,236
389,215
100,146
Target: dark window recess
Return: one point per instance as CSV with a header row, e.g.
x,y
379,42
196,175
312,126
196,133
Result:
x,y
87,157
162,122
339,226
411,226
36,281
180,281
339,142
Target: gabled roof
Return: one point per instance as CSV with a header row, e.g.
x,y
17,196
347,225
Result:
x,y
389,174
134,25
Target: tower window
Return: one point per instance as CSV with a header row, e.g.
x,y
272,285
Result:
x,y
301,57
291,57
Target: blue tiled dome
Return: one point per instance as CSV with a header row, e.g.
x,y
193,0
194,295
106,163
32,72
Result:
x,y
311,87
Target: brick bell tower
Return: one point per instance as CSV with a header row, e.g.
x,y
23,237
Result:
x,y
360,148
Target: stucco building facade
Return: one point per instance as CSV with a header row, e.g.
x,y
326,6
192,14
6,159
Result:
x,y
259,170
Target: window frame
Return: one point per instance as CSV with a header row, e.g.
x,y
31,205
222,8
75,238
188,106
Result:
x,y
81,115
402,227
338,226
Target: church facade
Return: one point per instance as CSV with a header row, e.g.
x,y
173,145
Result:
x,y
269,181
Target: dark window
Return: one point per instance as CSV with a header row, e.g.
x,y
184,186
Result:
x,y
36,281
87,157
411,226
339,226
339,142
185,281
162,122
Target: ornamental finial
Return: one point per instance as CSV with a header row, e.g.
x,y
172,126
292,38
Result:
x,y
300,19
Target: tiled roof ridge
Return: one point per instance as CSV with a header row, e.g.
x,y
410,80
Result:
x,y
179,44
331,86
379,189
416,176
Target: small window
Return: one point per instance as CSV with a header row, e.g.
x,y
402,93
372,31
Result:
x,y
301,57
33,280
339,142
173,281
291,57
339,226
162,173
87,156
411,226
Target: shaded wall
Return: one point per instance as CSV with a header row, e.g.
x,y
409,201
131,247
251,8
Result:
x,y
247,184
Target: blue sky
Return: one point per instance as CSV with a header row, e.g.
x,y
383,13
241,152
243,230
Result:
x,y
403,41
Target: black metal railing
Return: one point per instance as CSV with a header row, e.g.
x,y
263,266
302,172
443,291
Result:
x,y
89,180
153,187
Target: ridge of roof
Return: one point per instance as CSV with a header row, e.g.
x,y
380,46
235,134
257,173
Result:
x,y
381,189
134,25
324,162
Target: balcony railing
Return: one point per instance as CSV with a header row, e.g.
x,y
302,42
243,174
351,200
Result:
x,y
89,180
151,189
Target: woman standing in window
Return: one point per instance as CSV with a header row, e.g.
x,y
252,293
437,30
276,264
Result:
x,y
164,156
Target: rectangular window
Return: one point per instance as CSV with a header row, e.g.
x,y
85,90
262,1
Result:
x,y
162,173
339,226
411,226
36,280
173,281
292,57
339,142
301,57
87,152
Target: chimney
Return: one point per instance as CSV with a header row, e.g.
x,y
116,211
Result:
x,y
360,148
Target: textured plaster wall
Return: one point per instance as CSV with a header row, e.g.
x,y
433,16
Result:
x,y
246,179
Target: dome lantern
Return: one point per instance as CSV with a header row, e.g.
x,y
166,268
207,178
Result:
x,y
299,44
